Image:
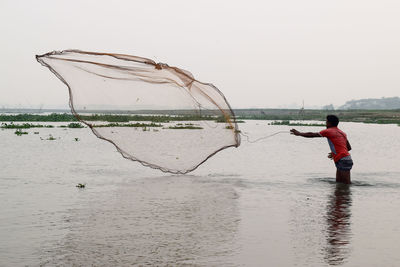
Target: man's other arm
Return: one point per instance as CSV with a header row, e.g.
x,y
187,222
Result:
x,y
348,145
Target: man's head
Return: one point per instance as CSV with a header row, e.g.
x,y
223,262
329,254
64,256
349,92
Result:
x,y
332,121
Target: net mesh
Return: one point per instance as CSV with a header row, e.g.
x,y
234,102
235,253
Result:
x,y
158,115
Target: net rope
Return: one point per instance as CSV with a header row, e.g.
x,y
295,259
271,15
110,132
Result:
x,y
261,138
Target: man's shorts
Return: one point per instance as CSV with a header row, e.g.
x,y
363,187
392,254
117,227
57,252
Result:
x,y
344,164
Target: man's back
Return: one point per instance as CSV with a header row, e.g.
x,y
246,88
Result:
x,y
337,140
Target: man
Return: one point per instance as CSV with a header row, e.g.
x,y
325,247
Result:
x,y
339,145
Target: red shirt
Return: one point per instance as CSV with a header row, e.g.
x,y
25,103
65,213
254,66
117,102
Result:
x,y
337,140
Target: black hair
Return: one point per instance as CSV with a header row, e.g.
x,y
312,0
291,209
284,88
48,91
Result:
x,y
334,120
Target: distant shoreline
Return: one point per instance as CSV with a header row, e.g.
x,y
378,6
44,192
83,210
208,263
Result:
x,y
364,116
247,110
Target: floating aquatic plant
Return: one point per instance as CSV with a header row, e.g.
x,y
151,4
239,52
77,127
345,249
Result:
x,y
23,126
81,185
135,125
51,138
190,127
72,125
19,132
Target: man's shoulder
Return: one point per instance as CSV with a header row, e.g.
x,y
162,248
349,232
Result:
x,y
325,132
331,131
340,131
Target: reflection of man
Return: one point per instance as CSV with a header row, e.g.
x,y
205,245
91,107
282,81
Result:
x,y
339,145
338,221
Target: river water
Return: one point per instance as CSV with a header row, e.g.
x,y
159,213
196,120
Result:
x,y
271,203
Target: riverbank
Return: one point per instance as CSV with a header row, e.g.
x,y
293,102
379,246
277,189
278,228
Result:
x,y
159,116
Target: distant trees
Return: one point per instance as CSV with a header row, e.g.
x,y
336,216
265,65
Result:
x,y
373,103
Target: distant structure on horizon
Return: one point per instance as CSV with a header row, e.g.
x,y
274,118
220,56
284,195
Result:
x,y
328,107
373,103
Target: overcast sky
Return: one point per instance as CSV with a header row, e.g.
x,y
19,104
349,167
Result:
x,y
258,53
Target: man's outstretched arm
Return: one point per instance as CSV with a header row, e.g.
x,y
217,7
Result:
x,y
307,135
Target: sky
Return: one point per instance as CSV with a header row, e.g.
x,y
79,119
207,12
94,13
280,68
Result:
x,y
260,54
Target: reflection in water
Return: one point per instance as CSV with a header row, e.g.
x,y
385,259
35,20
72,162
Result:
x,y
338,225
168,221
320,229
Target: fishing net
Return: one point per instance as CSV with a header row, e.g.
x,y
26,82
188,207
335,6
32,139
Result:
x,y
158,115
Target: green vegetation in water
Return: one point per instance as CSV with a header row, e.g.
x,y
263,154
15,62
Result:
x,y
34,117
188,127
187,124
295,123
138,125
72,125
124,118
19,132
152,118
76,139
23,126
383,121
50,138
365,116
81,185
64,117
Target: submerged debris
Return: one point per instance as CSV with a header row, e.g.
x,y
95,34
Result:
x,y
81,185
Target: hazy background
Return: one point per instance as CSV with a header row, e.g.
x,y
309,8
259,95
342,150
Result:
x,y
259,53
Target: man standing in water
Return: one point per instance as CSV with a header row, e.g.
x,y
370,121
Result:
x,y
339,145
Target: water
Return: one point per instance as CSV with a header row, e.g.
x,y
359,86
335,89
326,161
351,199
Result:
x,y
272,203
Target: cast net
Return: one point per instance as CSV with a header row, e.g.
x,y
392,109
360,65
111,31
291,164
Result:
x,y
158,115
